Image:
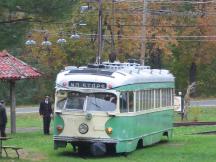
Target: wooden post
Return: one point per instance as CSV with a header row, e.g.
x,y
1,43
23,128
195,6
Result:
x,y
13,106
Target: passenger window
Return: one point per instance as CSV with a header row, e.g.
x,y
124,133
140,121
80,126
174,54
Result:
x,y
138,101
127,102
123,102
157,98
131,102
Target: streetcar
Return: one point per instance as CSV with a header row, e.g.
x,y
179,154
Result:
x,y
115,107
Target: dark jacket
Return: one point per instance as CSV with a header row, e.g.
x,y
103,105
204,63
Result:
x,y
45,109
3,116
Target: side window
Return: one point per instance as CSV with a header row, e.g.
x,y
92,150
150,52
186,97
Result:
x,y
145,100
127,102
149,98
157,98
131,101
152,99
137,101
169,97
142,100
164,97
123,102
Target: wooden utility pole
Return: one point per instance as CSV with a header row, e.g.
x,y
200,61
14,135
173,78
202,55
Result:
x,y
99,53
143,44
113,23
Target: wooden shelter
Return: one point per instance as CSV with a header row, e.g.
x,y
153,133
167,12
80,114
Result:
x,y
11,70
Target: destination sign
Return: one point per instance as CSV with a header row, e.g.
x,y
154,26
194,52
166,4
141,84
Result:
x,y
87,85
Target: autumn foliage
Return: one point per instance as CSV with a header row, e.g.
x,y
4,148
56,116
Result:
x,y
178,35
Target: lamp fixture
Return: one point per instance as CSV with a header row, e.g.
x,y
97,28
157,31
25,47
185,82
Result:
x,y
75,36
30,41
46,42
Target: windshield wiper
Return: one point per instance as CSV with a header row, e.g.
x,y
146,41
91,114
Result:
x,y
96,105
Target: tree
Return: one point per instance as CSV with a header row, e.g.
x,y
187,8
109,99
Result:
x,y
122,36
17,16
124,24
197,51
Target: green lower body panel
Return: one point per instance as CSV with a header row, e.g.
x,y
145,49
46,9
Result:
x,y
145,129
126,146
152,139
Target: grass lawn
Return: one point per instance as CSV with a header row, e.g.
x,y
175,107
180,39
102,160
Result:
x,y
199,114
185,146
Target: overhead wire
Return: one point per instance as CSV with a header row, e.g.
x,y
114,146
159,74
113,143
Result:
x,y
161,13
129,36
163,1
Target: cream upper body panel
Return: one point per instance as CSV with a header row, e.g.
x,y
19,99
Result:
x,y
96,126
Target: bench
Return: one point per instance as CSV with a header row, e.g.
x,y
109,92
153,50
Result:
x,y
13,148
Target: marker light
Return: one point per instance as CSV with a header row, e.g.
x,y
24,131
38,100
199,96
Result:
x,y
108,130
88,116
109,86
64,84
59,128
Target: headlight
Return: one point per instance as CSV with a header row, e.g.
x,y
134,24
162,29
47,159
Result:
x,y
59,128
83,128
108,130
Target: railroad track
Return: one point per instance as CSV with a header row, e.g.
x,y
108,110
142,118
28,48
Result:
x,y
180,124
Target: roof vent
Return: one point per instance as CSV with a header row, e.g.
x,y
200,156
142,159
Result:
x,y
96,66
133,61
70,67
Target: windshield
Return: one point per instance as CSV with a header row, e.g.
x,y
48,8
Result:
x,y
88,101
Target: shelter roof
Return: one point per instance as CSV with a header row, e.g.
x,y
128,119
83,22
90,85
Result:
x,y
11,68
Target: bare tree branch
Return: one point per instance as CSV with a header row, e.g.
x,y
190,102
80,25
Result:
x,y
187,98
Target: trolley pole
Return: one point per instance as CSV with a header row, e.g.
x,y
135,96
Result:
x,y
99,53
143,44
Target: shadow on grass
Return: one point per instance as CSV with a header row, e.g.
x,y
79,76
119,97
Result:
x,y
107,155
162,142
87,155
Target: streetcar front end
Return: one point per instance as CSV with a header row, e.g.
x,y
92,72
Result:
x,y
80,120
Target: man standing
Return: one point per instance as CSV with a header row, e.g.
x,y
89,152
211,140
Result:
x,y
3,119
45,111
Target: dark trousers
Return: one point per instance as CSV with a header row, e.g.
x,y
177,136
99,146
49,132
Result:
x,y
2,131
46,124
